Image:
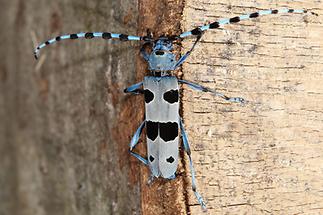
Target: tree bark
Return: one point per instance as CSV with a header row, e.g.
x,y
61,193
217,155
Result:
x,y
66,123
162,196
265,157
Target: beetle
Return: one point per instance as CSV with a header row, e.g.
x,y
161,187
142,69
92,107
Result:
x,y
161,94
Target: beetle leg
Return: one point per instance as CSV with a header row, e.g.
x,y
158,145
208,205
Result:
x,y
188,152
135,89
135,141
198,87
183,58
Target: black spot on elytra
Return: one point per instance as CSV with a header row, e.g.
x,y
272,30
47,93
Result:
x,y
170,159
151,158
58,38
149,96
89,35
152,130
292,10
234,19
106,35
168,131
254,15
214,25
73,36
47,42
171,96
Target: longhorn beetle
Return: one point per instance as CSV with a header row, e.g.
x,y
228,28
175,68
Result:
x,y
160,91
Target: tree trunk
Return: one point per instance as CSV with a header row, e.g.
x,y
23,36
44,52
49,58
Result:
x,y
66,124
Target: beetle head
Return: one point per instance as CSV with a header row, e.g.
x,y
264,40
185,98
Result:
x,y
162,57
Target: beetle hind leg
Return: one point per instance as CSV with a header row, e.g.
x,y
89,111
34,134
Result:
x,y
135,141
188,152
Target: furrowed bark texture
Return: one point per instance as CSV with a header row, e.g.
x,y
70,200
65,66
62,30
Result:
x,y
265,157
65,121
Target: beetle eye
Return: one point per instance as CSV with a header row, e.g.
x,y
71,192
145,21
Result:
x,y
159,53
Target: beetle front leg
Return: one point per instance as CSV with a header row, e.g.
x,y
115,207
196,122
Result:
x,y
134,89
183,58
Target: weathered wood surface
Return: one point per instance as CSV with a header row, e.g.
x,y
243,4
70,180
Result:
x,y
65,122
265,157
